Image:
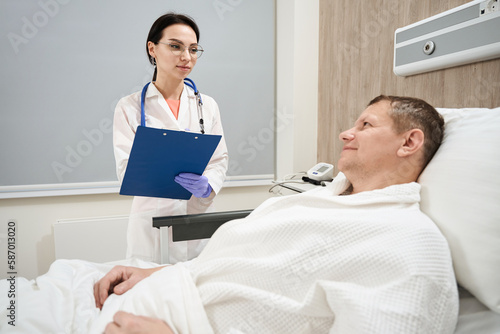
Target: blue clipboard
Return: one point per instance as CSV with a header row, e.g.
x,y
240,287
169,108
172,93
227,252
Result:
x,y
158,155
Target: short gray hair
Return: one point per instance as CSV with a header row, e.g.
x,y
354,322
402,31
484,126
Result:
x,y
412,113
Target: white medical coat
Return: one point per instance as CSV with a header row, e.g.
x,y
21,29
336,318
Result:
x,y
142,239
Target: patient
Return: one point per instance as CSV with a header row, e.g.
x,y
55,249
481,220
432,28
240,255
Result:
x,y
356,256
367,261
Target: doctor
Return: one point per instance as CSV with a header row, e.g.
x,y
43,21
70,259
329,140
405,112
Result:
x,y
172,47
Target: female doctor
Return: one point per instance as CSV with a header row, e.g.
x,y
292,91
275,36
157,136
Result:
x,y
172,47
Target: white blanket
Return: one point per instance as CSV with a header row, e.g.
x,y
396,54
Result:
x,y
308,263
62,300
318,263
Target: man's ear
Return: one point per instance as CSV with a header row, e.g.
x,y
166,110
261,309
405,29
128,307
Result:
x,y
413,142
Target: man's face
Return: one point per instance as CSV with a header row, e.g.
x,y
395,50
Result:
x,y
371,146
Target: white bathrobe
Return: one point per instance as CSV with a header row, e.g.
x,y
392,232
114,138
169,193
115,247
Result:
x,y
310,263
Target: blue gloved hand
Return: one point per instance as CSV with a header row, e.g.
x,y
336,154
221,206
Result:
x,y
195,184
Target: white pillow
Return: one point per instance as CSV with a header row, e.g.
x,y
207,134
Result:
x,y
461,193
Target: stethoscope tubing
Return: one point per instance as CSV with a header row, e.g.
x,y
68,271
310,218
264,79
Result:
x,y
199,103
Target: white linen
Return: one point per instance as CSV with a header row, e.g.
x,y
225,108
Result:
x,y
474,317
58,302
168,294
62,301
308,263
317,263
461,194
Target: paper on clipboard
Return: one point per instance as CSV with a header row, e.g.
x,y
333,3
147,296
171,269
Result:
x,y
158,155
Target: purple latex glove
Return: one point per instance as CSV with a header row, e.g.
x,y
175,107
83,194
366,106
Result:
x,y
195,184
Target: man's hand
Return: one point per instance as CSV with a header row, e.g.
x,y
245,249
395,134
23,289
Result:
x,y
119,280
132,324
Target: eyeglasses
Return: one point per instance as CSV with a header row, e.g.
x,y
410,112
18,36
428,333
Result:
x,y
195,51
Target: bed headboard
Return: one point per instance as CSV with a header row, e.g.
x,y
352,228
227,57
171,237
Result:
x,y
461,193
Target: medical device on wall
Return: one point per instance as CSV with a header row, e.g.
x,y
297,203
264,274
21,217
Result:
x,y
465,34
199,103
321,172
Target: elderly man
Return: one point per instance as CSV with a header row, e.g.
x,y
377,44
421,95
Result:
x,y
357,256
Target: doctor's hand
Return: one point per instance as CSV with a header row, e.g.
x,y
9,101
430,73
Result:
x,y
128,323
119,280
195,184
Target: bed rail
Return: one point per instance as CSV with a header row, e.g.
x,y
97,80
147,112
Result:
x,y
197,226
191,227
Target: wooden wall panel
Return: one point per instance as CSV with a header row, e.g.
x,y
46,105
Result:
x,y
355,64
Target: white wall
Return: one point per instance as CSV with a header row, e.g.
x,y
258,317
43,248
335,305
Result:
x,y
297,85
297,95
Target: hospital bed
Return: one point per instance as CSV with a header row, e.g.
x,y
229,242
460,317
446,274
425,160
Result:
x,y
460,192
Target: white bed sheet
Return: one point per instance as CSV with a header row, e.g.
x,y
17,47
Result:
x,y
474,317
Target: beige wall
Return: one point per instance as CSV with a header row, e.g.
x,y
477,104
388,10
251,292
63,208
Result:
x,y
296,96
356,57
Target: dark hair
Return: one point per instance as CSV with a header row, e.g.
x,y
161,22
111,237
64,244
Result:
x,y
412,113
164,21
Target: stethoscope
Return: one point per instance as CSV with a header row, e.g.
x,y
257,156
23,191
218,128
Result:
x,y
199,103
